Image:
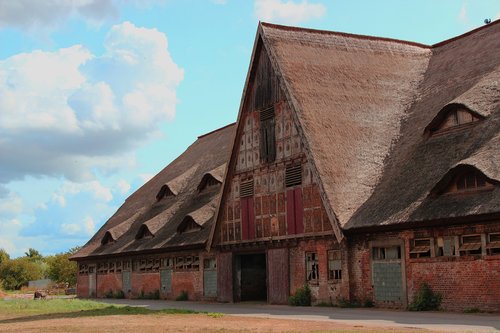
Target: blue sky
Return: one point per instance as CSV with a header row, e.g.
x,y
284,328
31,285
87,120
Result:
x,y
96,96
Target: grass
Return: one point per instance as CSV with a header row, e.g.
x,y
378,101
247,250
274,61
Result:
x,y
73,308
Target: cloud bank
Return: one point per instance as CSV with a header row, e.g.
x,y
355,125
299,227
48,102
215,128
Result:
x,y
287,12
69,112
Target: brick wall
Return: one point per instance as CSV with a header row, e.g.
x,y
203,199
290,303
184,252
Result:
x,y
190,281
82,286
106,283
324,290
145,283
465,282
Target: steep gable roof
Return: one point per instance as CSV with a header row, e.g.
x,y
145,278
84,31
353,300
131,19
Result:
x,y
162,218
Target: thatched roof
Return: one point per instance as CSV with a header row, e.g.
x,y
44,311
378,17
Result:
x,y
162,217
362,104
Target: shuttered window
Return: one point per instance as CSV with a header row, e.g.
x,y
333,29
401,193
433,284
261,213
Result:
x,y
247,210
267,135
293,175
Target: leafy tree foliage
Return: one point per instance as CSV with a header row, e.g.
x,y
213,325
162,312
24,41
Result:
x,y
16,273
33,254
4,256
60,269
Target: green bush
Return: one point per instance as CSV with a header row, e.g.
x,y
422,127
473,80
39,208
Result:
x,y
183,296
346,303
119,294
302,297
109,294
425,299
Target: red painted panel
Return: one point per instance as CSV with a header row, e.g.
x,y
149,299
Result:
x,y
290,212
244,218
225,277
299,212
251,218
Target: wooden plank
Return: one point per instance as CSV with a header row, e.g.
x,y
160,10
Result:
x,y
244,218
251,218
290,211
225,277
299,211
278,288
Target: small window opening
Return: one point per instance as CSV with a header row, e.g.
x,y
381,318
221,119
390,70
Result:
x,y
208,182
209,263
445,247
246,189
267,136
188,225
189,262
386,253
293,175
457,117
420,248
164,192
493,245
167,263
470,245
107,239
144,233
83,269
312,268
334,265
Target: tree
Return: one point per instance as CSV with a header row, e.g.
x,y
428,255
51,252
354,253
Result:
x,y
60,269
16,273
33,254
4,256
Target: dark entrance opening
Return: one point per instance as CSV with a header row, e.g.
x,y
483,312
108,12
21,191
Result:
x,y
253,286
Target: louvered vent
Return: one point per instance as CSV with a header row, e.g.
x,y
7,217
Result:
x,y
293,175
267,114
246,189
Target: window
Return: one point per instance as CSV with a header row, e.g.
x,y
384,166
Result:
x,y
83,269
107,239
420,248
267,136
165,191
463,179
334,265
386,253
453,116
208,182
470,245
445,246
144,233
493,245
118,266
167,263
188,225
185,263
209,263
293,175
312,269
247,210
126,265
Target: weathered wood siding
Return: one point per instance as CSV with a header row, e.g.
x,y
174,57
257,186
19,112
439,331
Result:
x,y
276,210
278,276
225,277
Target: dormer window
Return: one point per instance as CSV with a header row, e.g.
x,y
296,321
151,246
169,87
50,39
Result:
x,y
165,191
144,233
107,239
208,182
452,117
188,225
463,179
471,179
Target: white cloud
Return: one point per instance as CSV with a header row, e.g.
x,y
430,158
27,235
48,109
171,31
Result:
x,y
497,16
36,15
73,112
98,191
89,225
72,229
145,177
11,205
462,15
290,12
123,186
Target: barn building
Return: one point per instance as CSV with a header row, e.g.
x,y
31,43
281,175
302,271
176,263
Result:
x,y
154,246
361,166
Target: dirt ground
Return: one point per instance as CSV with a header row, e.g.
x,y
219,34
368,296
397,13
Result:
x,y
174,323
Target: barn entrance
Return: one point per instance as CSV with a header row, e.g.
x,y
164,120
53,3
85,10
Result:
x,y
251,277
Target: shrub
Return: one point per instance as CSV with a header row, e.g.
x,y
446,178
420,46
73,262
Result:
x,y
183,296
119,294
425,299
346,303
302,297
109,294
